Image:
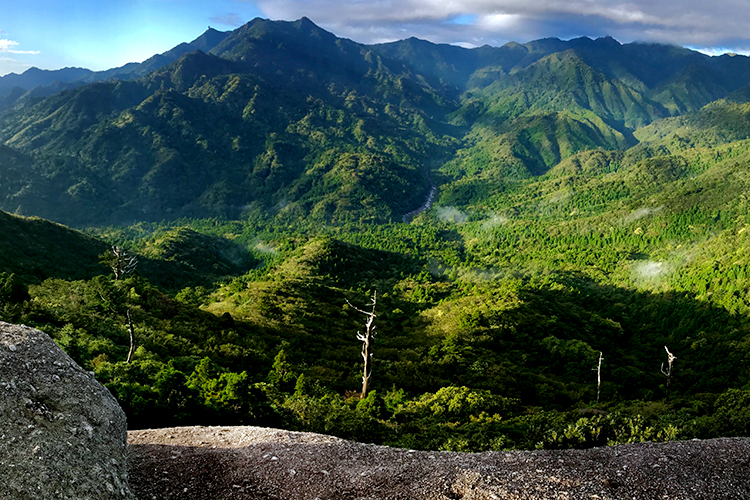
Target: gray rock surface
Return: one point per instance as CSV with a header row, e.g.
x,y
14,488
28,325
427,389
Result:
x,y
259,463
62,434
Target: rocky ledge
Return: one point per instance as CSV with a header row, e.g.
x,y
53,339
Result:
x,y
261,463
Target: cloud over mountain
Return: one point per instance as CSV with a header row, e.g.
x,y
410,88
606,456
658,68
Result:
x,y
475,22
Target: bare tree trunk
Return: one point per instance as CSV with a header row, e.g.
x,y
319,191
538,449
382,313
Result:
x,y
599,376
367,340
367,372
668,372
132,336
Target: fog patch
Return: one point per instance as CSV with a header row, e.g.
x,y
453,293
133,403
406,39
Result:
x,y
561,196
650,269
494,221
265,248
439,269
641,213
281,205
479,275
451,214
651,274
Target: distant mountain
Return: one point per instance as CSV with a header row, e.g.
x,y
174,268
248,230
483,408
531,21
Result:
x,y
720,122
35,77
35,83
286,120
674,77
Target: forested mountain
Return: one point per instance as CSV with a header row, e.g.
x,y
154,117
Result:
x,y
287,119
521,218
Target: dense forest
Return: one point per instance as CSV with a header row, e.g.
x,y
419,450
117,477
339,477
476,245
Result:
x,y
551,238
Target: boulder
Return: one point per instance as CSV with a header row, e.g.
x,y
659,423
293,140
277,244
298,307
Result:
x,y
62,434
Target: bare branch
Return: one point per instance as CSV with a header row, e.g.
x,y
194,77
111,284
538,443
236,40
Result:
x,y
131,330
120,261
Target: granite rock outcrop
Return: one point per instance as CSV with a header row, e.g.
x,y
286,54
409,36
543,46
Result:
x,y
62,434
256,463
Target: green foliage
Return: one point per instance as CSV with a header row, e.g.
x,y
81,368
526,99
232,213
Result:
x,y
231,397
373,405
606,428
281,374
264,185
730,417
12,290
460,403
330,414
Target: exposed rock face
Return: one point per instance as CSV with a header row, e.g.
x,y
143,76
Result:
x,y
258,463
62,434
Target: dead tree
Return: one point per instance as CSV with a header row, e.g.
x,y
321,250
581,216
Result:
x,y
120,261
367,339
668,372
131,330
122,264
599,375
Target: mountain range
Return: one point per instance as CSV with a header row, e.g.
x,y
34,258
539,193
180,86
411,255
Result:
x,y
284,119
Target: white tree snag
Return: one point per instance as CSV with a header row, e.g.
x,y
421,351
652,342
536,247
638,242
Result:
x,y
599,376
131,329
367,339
668,372
121,262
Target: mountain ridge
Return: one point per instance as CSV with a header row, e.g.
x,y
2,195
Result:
x,y
35,83
296,122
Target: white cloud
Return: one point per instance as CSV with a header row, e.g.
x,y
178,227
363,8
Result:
x,y
7,46
694,23
267,248
499,21
493,221
650,269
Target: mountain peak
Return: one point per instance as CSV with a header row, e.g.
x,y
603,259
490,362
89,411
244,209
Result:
x,y
304,24
209,39
608,41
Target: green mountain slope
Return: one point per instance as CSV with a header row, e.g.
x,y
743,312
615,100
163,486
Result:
x,y
286,120
563,81
35,249
203,137
719,122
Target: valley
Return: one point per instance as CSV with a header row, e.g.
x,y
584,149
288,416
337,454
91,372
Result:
x,y
520,210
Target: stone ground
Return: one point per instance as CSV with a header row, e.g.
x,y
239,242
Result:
x,y
261,463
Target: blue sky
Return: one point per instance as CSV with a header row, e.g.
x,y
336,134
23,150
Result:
x,y
101,34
